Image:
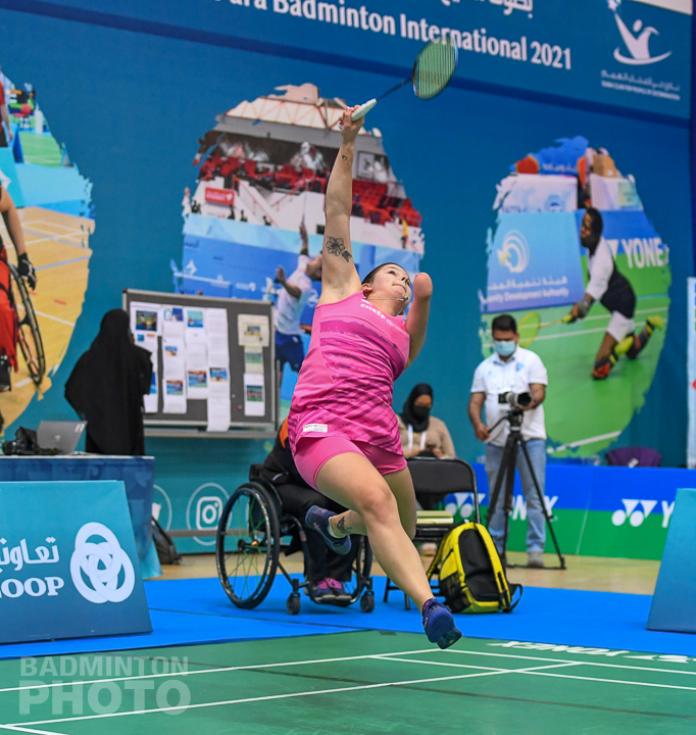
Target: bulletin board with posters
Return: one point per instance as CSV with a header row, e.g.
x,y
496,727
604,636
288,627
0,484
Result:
x,y
213,364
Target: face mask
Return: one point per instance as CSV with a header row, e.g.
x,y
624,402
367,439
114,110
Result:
x,y
504,347
421,412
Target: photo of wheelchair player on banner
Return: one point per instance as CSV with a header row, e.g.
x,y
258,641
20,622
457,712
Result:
x,y
47,220
18,325
613,290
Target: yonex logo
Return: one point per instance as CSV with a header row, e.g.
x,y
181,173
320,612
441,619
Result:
x,y
636,511
633,511
462,503
100,569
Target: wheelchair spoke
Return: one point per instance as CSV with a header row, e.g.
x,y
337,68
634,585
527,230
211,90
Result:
x,y
247,552
28,333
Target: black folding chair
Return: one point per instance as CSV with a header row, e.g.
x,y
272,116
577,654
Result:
x,y
433,480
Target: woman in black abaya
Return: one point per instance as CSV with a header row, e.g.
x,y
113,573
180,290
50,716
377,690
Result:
x,y
107,386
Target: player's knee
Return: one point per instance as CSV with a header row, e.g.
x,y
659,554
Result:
x,y
378,504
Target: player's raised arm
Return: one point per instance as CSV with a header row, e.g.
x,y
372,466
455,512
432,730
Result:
x,y
339,275
417,319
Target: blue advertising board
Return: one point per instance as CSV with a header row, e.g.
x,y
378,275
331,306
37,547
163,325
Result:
x,y
625,53
68,563
534,262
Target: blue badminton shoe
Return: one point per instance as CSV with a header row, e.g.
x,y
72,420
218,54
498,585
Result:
x,y
438,623
318,520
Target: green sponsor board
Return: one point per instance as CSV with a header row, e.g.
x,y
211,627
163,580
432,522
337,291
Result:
x,y
593,533
602,537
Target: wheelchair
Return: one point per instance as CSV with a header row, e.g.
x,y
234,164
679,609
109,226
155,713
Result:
x,y
252,533
28,332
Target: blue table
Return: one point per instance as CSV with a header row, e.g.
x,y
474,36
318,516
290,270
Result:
x,y
137,474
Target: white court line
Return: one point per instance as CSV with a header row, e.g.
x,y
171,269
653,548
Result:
x,y
625,667
613,681
599,317
583,442
44,227
48,223
387,657
540,672
291,695
220,669
362,657
73,226
16,728
599,330
55,318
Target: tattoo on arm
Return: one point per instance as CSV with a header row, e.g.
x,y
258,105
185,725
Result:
x,y
335,246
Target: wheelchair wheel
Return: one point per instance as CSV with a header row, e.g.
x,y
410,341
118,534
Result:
x,y
28,332
248,545
367,602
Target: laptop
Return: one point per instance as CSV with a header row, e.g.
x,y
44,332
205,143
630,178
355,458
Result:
x,y
61,436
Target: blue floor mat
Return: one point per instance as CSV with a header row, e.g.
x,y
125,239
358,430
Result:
x,y
197,611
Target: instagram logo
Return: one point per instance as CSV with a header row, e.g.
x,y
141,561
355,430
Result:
x,y
204,510
208,510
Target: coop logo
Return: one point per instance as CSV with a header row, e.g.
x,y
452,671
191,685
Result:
x,y
634,512
514,252
100,569
636,40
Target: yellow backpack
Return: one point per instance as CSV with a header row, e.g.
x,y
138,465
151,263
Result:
x,y
471,576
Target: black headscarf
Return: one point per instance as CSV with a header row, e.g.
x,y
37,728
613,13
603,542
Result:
x,y
414,415
107,385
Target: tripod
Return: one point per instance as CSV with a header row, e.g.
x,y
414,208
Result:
x,y
506,472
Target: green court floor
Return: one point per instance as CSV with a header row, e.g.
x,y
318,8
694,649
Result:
x,y
41,149
363,682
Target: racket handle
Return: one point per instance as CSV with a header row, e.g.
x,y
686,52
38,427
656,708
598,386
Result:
x,y
363,109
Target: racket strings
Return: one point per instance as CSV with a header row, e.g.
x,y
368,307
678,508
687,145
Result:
x,y
434,68
528,327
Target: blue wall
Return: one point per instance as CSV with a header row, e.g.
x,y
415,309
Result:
x,y
130,88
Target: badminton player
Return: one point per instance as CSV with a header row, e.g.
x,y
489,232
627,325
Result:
x,y
343,431
613,290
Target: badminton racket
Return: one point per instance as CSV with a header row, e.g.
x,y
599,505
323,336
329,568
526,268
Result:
x,y
530,325
431,73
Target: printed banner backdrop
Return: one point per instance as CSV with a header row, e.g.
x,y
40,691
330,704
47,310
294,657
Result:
x,y
534,262
590,511
187,112
70,568
691,374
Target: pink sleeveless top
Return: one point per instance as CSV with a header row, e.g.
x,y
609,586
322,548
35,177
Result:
x,y
345,386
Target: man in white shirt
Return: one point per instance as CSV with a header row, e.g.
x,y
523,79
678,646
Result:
x,y
613,290
512,368
290,304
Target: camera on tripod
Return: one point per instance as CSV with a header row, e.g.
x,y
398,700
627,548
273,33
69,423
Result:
x,y
516,401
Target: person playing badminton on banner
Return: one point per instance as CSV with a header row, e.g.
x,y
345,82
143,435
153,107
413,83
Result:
x,y
8,318
343,431
613,290
296,290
